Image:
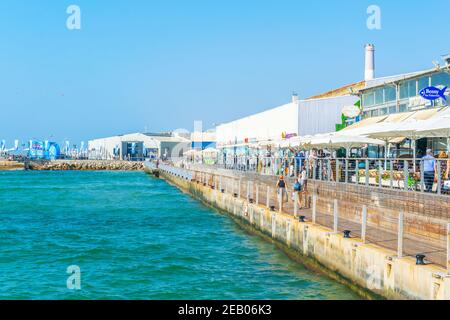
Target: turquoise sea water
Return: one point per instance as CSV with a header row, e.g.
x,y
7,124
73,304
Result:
x,y
135,237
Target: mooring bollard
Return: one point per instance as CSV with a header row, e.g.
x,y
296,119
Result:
x,y
364,223
301,218
400,234
420,259
336,218
347,234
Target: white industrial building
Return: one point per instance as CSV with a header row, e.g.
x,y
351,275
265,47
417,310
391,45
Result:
x,y
138,146
298,118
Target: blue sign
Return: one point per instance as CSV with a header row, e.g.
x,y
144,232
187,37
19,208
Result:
x,y
44,150
433,93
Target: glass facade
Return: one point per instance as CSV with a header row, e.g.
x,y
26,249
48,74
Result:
x,y
383,100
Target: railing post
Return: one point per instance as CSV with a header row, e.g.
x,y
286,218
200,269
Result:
x,y
248,190
280,200
239,188
314,169
380,175
335,216
422,177
439,177
391,174
406,174
295,204
357,171
337,170
364,223
367,172
314,208
400,234
268,197
346,170
329,171
320,170
448,248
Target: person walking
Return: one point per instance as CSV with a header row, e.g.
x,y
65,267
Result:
x,y
282,189
429,170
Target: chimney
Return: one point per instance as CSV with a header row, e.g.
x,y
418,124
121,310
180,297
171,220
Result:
x,y
369,72
294,98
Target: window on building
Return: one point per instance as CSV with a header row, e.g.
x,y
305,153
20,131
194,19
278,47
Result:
x,y
374,113
403,108
440,79
383,111
424,83
368,99
390,94
379,96
408,89
392,109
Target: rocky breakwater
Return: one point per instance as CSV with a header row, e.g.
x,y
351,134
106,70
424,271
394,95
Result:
x,y
86,165
11,165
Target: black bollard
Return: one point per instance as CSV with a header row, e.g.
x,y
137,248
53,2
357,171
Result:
x,y
223,190
301,218
272,208
419,259
347,234
235,195
250,200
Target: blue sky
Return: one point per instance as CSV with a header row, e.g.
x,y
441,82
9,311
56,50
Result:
x,y
164,64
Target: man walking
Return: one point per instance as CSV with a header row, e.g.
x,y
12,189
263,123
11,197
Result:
x,y
429,170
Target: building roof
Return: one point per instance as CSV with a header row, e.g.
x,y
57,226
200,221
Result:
x,y
342,91
379,82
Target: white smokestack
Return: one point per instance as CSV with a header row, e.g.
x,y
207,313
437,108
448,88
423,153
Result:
x,y
369,72
294,98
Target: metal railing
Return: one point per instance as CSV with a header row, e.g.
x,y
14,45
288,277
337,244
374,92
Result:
x,y
420,175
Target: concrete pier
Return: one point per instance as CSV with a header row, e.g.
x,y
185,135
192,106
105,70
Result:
x,y
368,268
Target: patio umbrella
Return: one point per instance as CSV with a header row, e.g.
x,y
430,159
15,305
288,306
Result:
x,y
337,141
407,129
437,127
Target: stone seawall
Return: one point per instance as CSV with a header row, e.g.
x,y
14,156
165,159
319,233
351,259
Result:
x,y
364,267
86,165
